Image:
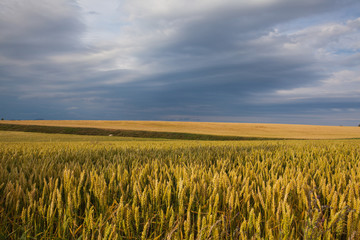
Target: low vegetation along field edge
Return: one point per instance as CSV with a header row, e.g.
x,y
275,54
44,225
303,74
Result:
x,y
123,133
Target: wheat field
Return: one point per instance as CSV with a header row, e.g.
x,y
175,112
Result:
x,y
212,128
92,188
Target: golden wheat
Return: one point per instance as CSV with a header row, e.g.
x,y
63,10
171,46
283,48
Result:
x,y
180,190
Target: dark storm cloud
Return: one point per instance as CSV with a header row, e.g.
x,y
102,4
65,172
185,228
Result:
x,y
228,27
227,62
31,29
219,84
230,87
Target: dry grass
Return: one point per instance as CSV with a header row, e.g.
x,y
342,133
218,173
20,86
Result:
x,y
226,129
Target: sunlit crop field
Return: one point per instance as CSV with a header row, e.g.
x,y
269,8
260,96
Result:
x,y
100,189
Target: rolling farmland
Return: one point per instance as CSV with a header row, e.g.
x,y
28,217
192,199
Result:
x,y
253,72
211,128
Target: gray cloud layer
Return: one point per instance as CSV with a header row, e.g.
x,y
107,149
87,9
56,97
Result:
x,y
264,61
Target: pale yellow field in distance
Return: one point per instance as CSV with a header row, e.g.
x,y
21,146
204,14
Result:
x,y
212,128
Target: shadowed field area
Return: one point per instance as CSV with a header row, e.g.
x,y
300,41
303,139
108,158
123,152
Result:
x,y
255,130
18,136
121,133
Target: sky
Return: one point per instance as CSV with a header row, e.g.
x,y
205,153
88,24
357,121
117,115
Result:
x,y
261,61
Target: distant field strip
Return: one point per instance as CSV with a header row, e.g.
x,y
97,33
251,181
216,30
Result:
x,y
121,133
252,130
24,137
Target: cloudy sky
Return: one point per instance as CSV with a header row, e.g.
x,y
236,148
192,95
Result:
x,y
271,61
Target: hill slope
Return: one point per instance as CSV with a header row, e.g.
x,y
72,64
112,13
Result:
x,y
211,128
